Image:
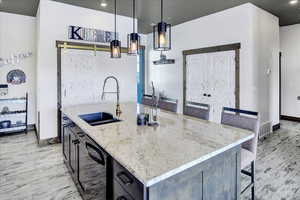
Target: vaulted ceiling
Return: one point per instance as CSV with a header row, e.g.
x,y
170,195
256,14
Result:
x,y
176,11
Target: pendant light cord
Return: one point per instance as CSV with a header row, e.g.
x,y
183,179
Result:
x,y
115,19
161,10
133,15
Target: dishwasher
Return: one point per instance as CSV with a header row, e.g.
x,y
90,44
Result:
x,y
92,170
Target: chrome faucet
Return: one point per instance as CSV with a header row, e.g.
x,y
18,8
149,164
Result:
x,y
118,108
154,100
154,107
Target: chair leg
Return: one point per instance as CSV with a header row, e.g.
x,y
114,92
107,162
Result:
x,y
253,180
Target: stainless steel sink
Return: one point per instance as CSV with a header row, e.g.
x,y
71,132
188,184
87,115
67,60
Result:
x,y
100,118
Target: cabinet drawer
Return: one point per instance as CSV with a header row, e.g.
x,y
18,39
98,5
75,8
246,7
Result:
x,y
127,181
75,129
120,193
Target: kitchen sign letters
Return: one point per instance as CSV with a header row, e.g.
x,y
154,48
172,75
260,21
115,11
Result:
x,y
91,35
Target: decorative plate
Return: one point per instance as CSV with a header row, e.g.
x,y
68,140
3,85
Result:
x,y
16,77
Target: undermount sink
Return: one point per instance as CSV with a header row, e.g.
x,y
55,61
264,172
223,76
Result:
x,y
100,118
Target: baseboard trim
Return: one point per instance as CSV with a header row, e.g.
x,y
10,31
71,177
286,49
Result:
x,y
290,118
31,127
47,142
41,143
276,127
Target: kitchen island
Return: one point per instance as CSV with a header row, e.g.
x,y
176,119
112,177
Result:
x,y
183,158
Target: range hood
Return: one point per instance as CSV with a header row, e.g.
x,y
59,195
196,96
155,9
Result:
x,y
163,60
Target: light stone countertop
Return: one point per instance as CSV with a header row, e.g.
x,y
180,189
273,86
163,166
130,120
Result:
x,y
153,154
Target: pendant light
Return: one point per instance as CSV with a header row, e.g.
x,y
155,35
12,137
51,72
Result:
x,y
162,34
133,39
115,45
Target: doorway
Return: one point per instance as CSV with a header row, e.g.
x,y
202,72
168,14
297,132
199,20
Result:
x,y
289,88
211,76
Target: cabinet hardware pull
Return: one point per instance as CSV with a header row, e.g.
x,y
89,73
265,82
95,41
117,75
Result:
x,y
76,141
100,160
81,134
121,198
125,179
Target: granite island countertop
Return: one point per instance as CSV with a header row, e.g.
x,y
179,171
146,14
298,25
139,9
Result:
x,y
153,154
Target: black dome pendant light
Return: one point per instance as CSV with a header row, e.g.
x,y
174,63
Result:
x,y
115,45
162,34
133,40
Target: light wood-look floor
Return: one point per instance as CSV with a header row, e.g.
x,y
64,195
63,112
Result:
x,y
278,165
29,172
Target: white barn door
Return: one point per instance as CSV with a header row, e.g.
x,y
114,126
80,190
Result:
x,y
210,79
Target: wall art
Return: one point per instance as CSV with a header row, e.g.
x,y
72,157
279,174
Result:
x,y
15,58
16,77
91,35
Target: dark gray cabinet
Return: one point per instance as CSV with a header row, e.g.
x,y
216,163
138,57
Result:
x,y
217,178
120,193
66,143
88,164
126,181
92,170
99,177
73,145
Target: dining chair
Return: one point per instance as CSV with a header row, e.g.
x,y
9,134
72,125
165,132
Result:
x,y
168,104
198,110
148,100
246,120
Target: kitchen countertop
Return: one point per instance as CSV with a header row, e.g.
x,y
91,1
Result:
x,y
153,154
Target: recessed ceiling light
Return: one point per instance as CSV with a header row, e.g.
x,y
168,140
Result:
x,y
103,4
293,2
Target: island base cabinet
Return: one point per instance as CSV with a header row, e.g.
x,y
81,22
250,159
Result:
x,y
120,193
215,179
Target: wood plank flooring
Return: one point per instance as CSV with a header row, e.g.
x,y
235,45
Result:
x,y
29,172
278,165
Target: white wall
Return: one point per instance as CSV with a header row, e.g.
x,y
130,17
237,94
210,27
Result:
x,y
17,35
266,64
54,19
83,75
290,48
245,24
